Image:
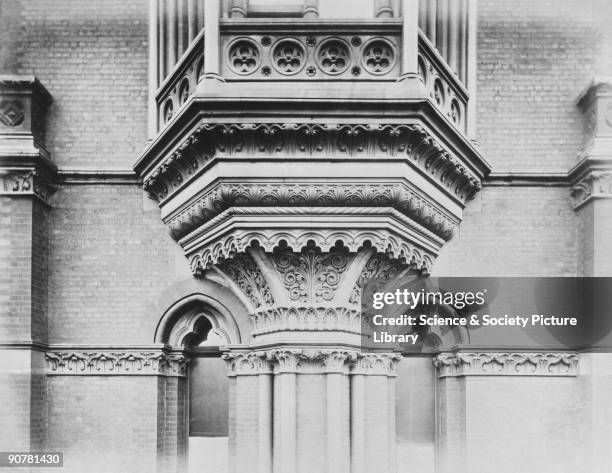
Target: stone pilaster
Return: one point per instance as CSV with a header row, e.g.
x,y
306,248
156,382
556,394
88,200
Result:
x,y
251,411
591,180
26,184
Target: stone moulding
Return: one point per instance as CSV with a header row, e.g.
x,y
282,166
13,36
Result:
x,y
210,253
396,195
311,360
349,141
303,319
116,363
506,364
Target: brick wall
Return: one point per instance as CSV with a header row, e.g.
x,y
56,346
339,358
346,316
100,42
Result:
x,y
15,268
109,258
514,231
79,411
534,58
92,57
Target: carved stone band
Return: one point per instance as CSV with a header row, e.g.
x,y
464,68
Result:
x,y
230,235
297,360
396,195
506,364
280,319
116,363
413,142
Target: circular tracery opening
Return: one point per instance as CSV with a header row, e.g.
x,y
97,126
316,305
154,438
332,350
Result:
x,y
289,57
244,57
333,56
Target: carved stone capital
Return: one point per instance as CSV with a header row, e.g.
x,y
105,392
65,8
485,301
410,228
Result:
x,y
247,363
506,364
116,363
595,185
381,364
294,293
302,360
25,182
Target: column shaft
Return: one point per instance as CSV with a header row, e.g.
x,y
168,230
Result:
x,y
337,419
453,34
471,77
212,11
285,445
357,423
264,454
171,35
153,66
410,37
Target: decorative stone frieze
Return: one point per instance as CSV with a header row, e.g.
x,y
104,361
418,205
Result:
x,y
383,240
306,319
310,55
412,142
506,364
397,195
116,363
309,360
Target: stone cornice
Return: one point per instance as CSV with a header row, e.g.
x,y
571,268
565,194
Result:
x,y
342,141
506,364
384,238
222,196
111,362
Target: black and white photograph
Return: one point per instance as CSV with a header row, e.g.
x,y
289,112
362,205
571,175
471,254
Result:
x,y
306,236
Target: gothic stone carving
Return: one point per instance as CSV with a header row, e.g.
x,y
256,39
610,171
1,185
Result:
x,y
506,364
247,363
25,181
12,113
310,276
239,240
379,267
304,360
225,195
597,184
247,275
115,363
411,141
310,55
302,319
